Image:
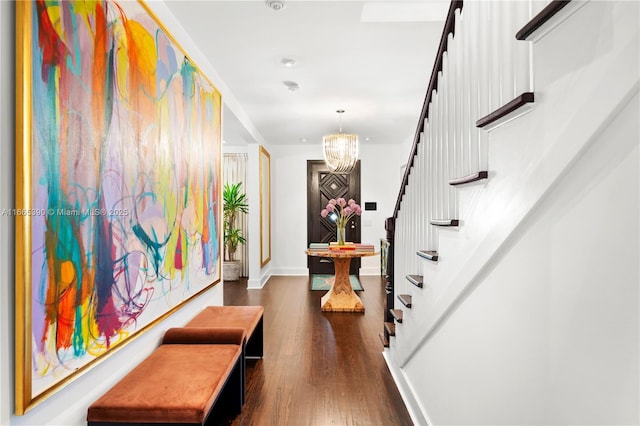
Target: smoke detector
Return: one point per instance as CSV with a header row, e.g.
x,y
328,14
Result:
x,y
276,4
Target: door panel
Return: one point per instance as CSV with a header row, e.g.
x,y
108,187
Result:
x,y
322,186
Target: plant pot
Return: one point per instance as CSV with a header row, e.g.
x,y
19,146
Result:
x,y
231,270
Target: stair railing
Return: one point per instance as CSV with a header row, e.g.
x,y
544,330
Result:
x,y
482,77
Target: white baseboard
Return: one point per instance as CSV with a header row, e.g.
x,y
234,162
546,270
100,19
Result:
x,y
418,416
255,284
259,283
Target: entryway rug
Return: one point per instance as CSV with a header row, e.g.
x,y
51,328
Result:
x,y
321,282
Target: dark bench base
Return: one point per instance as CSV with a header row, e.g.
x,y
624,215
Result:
x,y
255,343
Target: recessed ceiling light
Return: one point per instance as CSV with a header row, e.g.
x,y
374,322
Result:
x,y
224,141
291,85
366,139
276,4
303,140
288,62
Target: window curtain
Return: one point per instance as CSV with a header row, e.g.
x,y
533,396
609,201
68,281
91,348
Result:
x,y
234,170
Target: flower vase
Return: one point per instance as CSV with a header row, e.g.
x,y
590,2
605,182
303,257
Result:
x,y
340,233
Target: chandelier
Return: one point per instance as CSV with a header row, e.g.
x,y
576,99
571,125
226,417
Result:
x,y
340,150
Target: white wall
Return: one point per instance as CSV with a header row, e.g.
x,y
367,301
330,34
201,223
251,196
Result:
x,y
531,316
550,333
69,405
380,182
7,29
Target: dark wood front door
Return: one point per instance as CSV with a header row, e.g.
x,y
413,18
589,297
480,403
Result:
x,y
322,185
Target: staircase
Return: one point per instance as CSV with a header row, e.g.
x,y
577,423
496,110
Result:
x,y
489,150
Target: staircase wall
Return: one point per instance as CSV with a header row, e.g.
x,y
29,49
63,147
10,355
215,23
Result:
x,y
530,316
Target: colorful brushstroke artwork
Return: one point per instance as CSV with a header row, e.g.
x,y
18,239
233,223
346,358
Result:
x,y
123,204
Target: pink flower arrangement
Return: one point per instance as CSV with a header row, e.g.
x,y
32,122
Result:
x,y
344,210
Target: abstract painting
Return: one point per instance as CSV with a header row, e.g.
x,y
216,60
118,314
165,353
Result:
x,y
118,184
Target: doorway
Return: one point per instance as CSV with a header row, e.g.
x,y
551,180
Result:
x,y
234,170
322,185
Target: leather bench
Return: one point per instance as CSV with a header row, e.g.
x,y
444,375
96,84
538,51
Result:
x,y
250,318
191,378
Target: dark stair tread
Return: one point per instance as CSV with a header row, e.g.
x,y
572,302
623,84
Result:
x,y
540,19
391,328
397,315
506,109
429,255
469,178
405,299
416,280
445,222
384,340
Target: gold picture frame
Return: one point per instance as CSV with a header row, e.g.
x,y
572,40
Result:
x,y
117,219
265,206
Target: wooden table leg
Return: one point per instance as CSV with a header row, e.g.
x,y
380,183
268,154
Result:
x,y
341,297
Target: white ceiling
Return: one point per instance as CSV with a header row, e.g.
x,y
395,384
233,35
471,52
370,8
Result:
x,y
370,58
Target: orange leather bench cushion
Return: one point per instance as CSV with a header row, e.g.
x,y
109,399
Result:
x,y
246,317
177,383
205,336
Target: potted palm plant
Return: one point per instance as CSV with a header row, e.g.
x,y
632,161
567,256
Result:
x,y
234,203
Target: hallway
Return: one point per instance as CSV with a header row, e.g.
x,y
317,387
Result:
x,y
318,368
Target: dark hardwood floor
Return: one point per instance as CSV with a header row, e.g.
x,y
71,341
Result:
x,y
319,368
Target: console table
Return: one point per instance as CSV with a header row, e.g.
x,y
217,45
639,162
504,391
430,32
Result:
x,y
341,297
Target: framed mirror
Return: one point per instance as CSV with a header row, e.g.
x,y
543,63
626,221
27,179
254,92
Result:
x,y
265,207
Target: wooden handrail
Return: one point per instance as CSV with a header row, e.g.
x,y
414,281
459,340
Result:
x,y
449,28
